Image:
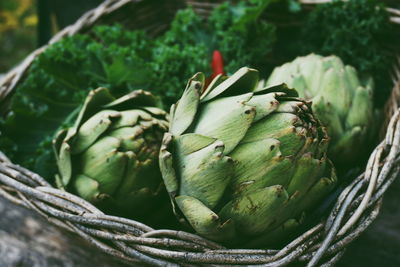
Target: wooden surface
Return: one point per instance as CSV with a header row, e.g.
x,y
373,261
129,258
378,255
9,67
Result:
x,y
26,239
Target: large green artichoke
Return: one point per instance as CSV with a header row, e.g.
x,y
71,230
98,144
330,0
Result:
x,y
110,155
242,165
339,98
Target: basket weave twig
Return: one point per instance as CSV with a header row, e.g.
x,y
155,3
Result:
x,y
323,244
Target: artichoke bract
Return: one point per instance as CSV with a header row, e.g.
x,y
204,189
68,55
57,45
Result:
x,y
341,101
241,167
110,155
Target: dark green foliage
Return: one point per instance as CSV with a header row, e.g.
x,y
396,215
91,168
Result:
x,y
357,31
57,83
173,66
110,56
178,55
235,30
242,38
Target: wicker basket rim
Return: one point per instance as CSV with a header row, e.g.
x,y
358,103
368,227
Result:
x,y
131,241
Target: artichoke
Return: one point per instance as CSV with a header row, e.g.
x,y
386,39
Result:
x,y
242,165
341,101
110,155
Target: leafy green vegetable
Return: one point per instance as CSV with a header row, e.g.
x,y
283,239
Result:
x,y
57,83
177,55
235,30
122,60
359,32
240,35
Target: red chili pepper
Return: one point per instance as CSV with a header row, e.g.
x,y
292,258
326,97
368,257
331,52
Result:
x,y
217,66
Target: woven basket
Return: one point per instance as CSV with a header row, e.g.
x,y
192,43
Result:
x,y
133,242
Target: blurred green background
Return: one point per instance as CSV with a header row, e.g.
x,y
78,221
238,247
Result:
x,y
28,24
18,35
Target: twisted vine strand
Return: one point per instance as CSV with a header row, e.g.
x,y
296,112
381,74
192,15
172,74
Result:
x,y
132,242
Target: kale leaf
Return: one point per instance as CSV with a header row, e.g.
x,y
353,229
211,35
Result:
x,y
240,35
122,60
359,32
58,81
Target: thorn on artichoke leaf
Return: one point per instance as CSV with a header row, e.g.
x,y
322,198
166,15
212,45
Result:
x,y
279,190
238,189
102,196
219,154
294,195
140,131
219,145
224,224
214,217
250,110
197,86
164,153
